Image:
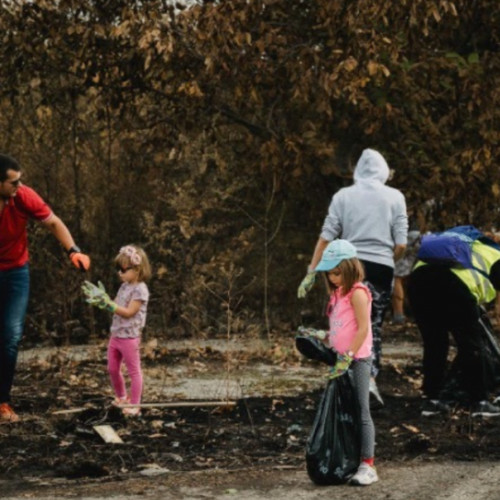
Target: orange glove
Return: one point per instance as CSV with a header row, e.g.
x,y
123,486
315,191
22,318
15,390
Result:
x,y
79,259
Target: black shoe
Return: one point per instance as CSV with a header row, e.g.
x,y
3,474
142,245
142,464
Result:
x,y
435,407
485,409
314,348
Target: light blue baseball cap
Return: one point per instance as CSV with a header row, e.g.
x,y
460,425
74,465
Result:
x,y
335,253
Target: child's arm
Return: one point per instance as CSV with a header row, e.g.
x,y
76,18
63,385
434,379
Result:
x,y
97,296
131,310
359,301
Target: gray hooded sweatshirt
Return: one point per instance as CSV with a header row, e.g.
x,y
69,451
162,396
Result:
x,y
369,214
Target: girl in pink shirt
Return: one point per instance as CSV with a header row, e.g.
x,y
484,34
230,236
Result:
x,y
350,335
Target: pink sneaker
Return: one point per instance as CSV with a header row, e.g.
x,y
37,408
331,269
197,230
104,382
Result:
x,y
131,412
120,401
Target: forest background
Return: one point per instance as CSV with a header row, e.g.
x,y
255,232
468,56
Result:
x,y
215,137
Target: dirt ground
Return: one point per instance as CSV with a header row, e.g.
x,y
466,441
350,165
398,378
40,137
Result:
x,y
252,450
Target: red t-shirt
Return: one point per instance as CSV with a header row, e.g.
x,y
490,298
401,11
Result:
x,y
13,221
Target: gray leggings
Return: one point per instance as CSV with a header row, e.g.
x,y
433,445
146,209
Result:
x,y
361,376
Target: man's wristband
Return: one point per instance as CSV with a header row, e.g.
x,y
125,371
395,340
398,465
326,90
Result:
x,y
73,249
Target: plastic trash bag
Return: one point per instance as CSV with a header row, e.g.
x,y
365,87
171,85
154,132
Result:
x,y
313,348
456,382
333,447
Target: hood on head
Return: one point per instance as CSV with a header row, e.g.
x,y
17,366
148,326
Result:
x,y
371,166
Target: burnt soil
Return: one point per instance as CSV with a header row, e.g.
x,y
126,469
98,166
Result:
x,y
258,432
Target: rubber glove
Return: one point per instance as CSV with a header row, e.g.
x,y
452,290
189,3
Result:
x,y
92,291
341,366
307,284
97,296
79,259
312,332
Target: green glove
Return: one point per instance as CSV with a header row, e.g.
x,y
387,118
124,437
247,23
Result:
x,y
97,296
92,291
341,366
307,284
105,303
312,332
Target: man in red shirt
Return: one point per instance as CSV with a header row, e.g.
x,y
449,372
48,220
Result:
x,y
18,204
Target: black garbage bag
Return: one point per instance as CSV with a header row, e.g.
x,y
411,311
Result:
x,y
455,384
491,349
313,348
333,447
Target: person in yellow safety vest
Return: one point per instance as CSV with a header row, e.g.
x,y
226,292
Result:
x,y
447,300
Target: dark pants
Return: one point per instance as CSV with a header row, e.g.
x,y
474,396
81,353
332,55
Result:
x,y
379,280
14,293
443,304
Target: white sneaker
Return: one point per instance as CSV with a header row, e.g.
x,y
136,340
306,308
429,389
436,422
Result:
x,y
364,476
485,409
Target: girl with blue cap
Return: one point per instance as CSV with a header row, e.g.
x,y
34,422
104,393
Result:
x,y
350,335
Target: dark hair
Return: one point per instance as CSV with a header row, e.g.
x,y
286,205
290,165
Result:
x,y
7,163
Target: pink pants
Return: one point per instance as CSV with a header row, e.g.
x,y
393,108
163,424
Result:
x,y
126,350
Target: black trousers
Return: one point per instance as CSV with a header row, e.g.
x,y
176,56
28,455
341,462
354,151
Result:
x,y
378,278
442,304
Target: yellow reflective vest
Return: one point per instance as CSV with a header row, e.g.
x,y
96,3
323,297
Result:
x,y
483,257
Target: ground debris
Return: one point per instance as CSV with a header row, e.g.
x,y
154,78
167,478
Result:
x,y
108,434
63,403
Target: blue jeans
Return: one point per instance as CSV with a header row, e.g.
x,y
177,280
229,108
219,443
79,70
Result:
x,y
14,293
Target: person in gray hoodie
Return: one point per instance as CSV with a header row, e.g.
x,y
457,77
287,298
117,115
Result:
x,y
372,216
